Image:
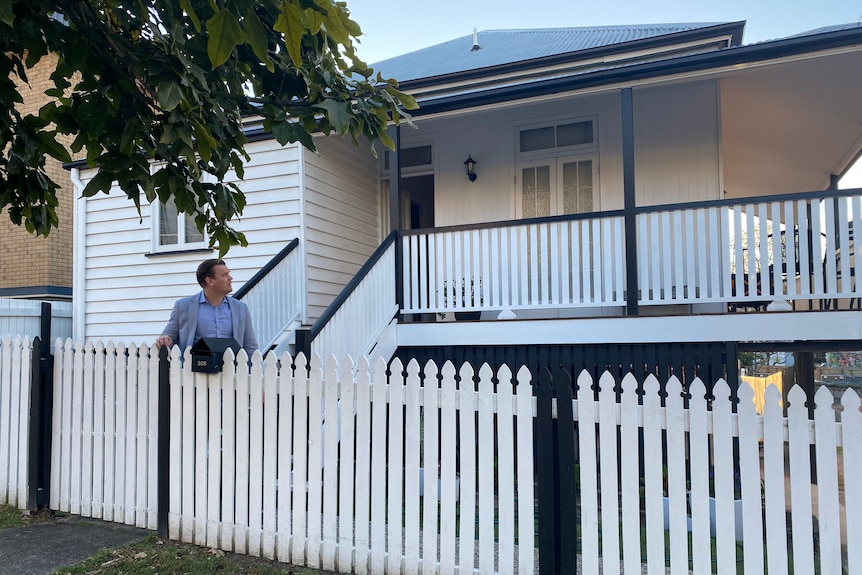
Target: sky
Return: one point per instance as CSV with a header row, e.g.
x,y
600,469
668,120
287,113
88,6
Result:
x,y
394,27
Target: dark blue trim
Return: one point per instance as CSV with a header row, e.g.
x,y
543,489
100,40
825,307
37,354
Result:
x,y
36,291
262,272
177,252
629,198
511,223
350,287
752,200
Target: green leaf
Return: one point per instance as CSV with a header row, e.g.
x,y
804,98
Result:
x,y
256,37
54,148
224,33
186,5
169,95
101,182
289,23
338,114
7,15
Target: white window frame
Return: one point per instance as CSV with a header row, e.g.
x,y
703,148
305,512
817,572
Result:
x,y
555,164
558,151
182,244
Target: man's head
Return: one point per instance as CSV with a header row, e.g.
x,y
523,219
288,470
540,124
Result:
x,y
214,275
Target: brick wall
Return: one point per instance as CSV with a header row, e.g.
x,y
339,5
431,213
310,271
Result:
x,y
35,260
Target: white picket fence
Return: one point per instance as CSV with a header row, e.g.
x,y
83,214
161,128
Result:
x,y
22,317
14,430
323,469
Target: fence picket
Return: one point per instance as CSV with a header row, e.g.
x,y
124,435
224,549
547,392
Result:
x,y
629,473
586,416
7,446
177,445
526,500
412,441
242,447
800,488
330,464
286,398
652,459
773,483
749,469
430,475
363,467
828,509
395,496
610,532
485,457
505,468
215,450
378,467
315,461
448,489
675,511
269,450
698,447
467,457
722,473
228,469
851,441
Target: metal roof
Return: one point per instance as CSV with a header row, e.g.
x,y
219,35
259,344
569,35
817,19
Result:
x,y
501,47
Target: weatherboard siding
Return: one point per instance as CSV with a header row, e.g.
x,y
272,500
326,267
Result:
x,y
129,291
676,131
342,217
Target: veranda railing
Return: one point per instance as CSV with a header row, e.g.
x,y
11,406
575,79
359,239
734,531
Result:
x,y
798,247
257,465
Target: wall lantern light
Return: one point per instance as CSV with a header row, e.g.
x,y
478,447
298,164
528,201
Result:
x,y
470,164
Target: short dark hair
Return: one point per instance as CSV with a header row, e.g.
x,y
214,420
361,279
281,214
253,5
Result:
x,y
205,270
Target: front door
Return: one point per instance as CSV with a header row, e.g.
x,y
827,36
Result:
x,y
557,186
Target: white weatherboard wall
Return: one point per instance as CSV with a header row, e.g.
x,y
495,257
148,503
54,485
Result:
x,y
676,130
342,217
124,292
676,150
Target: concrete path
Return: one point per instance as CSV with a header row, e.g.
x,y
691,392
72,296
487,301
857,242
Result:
x,y
42,548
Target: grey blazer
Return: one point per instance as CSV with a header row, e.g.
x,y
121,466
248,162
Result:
x,y
183,323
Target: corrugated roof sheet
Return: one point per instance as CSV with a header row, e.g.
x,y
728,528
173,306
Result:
x,y
500,47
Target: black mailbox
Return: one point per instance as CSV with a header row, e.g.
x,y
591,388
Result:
x,y
208,351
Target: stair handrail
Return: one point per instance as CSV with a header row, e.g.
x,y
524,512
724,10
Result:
x,y
270,327
304,337
264,271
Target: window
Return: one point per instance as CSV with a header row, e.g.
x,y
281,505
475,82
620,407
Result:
x,y
174,231
556,186
557,136
557,171
413,157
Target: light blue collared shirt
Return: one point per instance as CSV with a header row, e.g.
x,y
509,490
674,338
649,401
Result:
x,y
213,321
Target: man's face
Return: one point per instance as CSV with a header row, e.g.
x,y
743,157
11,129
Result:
x,y
220,281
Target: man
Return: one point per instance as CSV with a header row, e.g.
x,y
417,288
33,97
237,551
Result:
x,y
210,313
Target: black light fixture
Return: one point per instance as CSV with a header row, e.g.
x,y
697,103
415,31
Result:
x,y
470,164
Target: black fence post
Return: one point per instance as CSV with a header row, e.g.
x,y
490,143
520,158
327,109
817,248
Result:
x,y
566,475
545,476
302,342
41,409
163,455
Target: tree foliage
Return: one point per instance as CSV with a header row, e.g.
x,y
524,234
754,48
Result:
x,y
155,93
